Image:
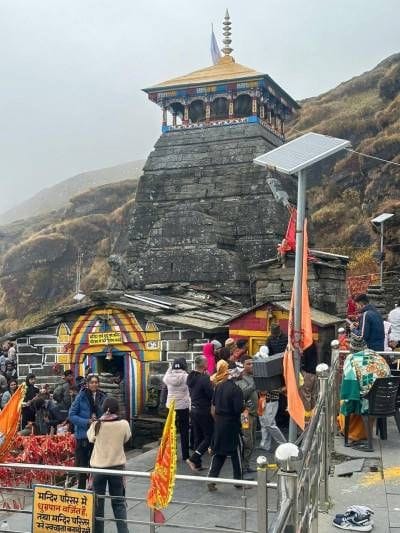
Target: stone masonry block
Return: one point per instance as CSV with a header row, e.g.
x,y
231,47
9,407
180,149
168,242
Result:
x,y
169,335
177,346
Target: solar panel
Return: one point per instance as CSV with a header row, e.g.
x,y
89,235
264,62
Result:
x,y
301,152
382,218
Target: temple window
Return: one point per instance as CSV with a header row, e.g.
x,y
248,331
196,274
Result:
x,y
219,109
197,111
242,106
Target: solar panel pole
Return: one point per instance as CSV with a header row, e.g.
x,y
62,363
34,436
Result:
x,y
298,284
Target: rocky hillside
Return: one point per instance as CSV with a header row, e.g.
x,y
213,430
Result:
x,y
39,254
351,190
58,196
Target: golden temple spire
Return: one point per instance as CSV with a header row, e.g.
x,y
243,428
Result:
x,y
227,34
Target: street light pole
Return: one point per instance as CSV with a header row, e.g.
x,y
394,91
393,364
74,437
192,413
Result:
x,y
382,258
298,283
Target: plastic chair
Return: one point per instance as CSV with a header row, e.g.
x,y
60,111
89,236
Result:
x,y
383,401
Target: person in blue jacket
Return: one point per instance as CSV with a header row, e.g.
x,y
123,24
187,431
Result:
x,y
86,408
370,326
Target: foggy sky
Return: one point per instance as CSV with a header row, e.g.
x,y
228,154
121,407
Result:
x,y
71,71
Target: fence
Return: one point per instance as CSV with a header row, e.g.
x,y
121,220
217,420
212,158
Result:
x,y
301,489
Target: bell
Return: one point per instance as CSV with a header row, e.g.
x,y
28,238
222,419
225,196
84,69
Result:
x,y
109,355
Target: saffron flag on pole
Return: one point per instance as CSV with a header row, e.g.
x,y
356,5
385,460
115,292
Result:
x,y
9,420
295,403
162,479
215,52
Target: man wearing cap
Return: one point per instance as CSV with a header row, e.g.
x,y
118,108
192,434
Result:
x,y
277,341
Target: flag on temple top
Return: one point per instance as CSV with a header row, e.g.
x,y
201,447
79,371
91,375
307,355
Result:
x,y
9,420
295,403
215,52
162,479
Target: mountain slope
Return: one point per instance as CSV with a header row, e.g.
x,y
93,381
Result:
x,y
58,196
350,190
39,255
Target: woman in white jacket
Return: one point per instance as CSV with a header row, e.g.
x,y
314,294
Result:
x,y
175,379
109,435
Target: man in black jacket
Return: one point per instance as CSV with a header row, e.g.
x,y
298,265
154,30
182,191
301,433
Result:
x,y
277,341
371,327
201,393
227,404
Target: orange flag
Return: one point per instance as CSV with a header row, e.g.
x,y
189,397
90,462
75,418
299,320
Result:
x,y
295,403
9,420
306,325
162,479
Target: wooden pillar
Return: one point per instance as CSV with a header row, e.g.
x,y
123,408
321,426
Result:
x,y
208,111
230,108
262,111
186,114
274,123
254,105
282,126
164,116
174,119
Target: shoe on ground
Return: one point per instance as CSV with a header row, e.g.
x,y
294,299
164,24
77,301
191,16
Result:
x,y
342,522
193,466
212,487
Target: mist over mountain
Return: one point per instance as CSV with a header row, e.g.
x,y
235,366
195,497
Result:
x,y
58,195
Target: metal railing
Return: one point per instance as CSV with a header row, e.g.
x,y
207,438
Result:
x,y
260,509
303,483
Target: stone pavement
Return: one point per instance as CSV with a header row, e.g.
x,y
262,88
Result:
x,y
379,490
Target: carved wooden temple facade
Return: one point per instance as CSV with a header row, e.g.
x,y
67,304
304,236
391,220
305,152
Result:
x,y
224,93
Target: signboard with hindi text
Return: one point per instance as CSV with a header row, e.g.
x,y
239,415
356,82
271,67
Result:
x,y
105,337
63,510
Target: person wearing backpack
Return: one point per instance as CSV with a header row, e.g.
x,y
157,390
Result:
x,y
109,434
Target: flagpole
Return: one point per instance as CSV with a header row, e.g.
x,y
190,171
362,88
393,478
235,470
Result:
x,y
298,281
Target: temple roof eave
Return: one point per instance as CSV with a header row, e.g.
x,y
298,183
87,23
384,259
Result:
x,y
178,83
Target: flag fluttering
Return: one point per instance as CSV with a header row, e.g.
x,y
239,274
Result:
x,y
304,338
289,242
215,51
9,420
162,479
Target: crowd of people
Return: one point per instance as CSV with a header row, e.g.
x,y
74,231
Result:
x,y
218,407
367,333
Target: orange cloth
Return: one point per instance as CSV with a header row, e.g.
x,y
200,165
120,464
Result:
x,y
306,325
295,404
356,429
222,372
9,420
162,479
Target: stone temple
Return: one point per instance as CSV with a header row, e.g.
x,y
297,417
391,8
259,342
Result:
x,y
204,213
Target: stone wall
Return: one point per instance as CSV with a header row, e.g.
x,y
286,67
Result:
x,y
37,353
203,211
326,284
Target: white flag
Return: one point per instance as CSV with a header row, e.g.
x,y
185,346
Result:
x,y
215,53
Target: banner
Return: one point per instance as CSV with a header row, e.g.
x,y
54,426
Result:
x,y
59,509
105,337
9,420
162,479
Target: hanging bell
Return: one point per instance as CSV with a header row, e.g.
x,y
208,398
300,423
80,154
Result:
x,y
109,355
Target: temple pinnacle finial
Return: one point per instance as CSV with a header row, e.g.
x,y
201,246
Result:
x,y
227,34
